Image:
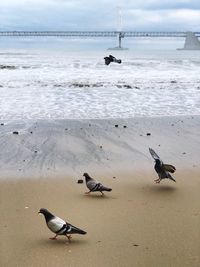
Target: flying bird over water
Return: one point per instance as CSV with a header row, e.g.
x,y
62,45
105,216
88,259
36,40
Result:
x,y
163,170
94,186
59,226
110,59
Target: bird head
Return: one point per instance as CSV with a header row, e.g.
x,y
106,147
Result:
x,y
43,211
48,215
87,177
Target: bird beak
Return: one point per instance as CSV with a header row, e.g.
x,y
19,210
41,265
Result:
x,y
39,213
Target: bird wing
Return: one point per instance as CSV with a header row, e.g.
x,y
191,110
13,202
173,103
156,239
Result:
x,y
169,168
74,230
153,154
111,57
56,224
92,184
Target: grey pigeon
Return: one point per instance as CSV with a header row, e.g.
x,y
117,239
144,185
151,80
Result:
x,y
59,226
94,186
163,170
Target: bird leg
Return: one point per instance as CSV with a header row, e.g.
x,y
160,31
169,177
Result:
x,y
157,180
87,193
102,193
69,237
53,238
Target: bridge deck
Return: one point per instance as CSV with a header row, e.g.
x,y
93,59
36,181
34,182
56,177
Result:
x,y
94,34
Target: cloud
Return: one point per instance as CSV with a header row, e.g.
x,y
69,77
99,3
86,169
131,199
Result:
x,y
178,20
99,15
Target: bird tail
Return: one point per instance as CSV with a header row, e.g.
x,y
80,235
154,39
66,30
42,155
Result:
x,y
81,232
106,189
118,61
171,178
75,230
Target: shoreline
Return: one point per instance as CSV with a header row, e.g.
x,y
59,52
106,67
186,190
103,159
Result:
x,y
2,120
69,147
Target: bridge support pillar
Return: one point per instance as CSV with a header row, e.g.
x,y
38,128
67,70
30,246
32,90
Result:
x,y
191,42
120,35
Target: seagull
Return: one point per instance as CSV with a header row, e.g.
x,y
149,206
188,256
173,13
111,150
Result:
x,y
161,168
110,59
59,226
94,185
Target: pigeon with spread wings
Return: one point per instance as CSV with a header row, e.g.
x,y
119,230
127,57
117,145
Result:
x,y
163,170
110,59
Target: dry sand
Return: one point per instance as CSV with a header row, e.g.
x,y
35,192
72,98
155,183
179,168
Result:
x,y
139,223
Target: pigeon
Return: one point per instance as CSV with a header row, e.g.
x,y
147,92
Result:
x,y
110,59
94,186
59,226
163,170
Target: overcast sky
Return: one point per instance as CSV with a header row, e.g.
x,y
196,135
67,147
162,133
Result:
x,y
144,15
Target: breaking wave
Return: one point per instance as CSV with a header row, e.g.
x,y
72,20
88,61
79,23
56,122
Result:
x,y
82,86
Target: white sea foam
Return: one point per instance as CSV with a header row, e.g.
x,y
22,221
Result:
x,y
79,85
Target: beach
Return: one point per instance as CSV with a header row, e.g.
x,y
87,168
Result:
x,y
139,223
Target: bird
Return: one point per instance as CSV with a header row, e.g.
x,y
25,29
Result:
x,y
94,186
163,170
110,59
59,226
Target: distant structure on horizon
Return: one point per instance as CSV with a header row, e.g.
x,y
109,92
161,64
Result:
x,y
191,38
120,34
191,42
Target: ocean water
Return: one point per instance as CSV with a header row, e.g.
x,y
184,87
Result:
x,y
59,81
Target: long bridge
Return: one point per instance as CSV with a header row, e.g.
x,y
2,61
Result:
x,y
85,34
96,33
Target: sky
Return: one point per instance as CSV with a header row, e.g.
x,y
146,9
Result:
x,y
91,15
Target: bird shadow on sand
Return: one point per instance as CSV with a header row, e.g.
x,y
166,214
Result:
x,y
162,189
96,196
62,242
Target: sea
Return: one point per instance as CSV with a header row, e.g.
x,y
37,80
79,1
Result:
x,y
62,78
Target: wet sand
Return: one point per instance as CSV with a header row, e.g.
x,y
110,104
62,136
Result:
x,y
139,223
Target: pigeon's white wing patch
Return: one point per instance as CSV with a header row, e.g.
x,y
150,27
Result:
x,y
56,224
153,154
